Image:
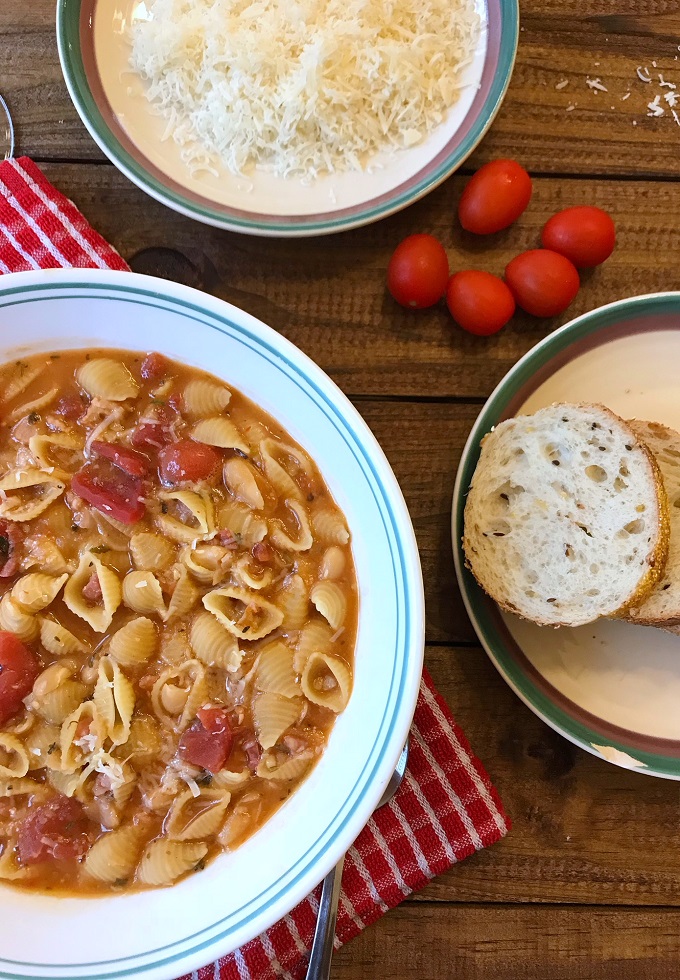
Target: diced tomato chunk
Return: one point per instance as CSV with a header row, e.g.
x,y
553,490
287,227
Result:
x,y
92,590
150,435
10,539
208,742
214,719
252,750
166,413
263,552
70,407
154,367
132,462
227,539
19,668
82,729
187,460
55,831
110,490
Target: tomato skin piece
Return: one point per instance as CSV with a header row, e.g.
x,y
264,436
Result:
x,y
494,197
479,302
584,235
19,668
542,282
187,460
128,460
110,490
207,743
418,272
57,830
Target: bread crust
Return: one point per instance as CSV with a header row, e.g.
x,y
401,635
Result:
x,y
639,617
655,561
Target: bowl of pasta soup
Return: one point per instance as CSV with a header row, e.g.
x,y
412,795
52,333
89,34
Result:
x,y
211,625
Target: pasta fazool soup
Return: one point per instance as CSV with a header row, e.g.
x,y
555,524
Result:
x,y
178,610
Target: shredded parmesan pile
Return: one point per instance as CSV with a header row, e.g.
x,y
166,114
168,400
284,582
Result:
x,y
301,87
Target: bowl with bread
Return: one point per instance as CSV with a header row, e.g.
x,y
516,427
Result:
x,y
566,531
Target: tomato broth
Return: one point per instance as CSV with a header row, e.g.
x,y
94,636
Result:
x,y
178,614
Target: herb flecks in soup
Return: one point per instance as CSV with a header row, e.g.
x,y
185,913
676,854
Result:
x,y
178,612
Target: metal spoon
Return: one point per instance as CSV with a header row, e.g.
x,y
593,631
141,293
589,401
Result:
x,y
322,948
8,147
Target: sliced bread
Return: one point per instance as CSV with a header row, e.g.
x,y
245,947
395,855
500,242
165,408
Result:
x,y
662,607
566,519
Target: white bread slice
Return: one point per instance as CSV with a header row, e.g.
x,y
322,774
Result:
x,y
662,607
567,518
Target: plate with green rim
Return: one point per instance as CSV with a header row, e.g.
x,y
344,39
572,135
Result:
x,y
94,52
610,687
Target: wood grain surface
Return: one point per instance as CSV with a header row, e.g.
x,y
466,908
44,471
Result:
x,y
587,884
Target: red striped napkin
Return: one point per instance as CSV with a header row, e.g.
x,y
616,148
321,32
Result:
x,y
42,229
446,807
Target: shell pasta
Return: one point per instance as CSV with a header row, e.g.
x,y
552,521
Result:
x,y
178,616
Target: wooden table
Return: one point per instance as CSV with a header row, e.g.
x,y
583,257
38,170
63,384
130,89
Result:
x,y
587,885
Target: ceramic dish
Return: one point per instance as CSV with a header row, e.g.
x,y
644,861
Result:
x,y
610,687
165,933
94,57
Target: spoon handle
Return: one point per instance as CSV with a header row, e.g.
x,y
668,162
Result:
x,y
322,948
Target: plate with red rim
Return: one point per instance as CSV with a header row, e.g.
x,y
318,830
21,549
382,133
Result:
x,y
94,53
610,687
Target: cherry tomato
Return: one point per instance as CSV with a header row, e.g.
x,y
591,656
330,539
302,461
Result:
x,y
585,235
542,282
187,460
131,462
154,367
494,197
110,490
479,302
208,742
54,831
19,668
418,272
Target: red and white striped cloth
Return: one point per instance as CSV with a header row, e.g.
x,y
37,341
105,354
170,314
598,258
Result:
x,y
42,229
446,807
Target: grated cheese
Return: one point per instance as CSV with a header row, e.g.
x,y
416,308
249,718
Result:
x,y
655,109
301,87
112,417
